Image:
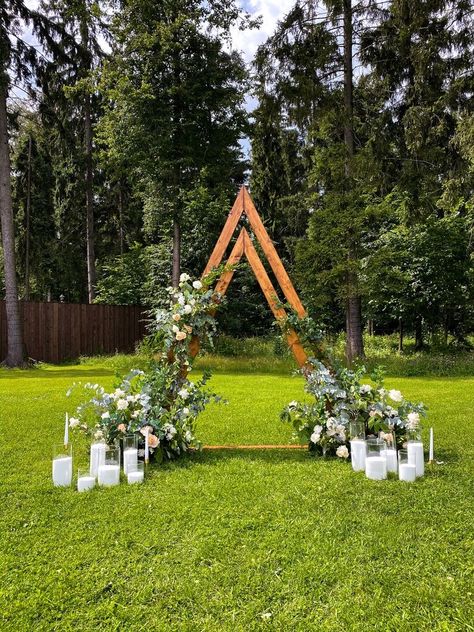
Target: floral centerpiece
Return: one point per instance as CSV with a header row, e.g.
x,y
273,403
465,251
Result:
x,y
162,402
341,397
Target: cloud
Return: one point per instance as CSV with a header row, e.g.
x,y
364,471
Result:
x,y
271,11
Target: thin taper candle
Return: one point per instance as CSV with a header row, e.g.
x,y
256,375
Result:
x,y
431,455
66,431
147,451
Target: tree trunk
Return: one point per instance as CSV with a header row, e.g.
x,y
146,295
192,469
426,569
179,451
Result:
x,y
120,210
27,226
16,355
88,175
418,334
355,343
89,182
176,254
400,335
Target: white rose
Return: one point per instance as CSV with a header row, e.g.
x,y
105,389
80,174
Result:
x,y
315,437
318,429
197,285
106,415
365,388
183,393
188,309
413,420
192,301
119,393
175,328
136,414
396,396
185,412
122,404
181,300
98,435
342,452
73,422
184,277
188,437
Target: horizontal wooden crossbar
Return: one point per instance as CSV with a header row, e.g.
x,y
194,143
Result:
x,y
254,447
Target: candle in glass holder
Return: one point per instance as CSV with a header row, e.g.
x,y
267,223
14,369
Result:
x,y
97,457
406,471
390,455
375,462
137,475
85,480
416,456
130,453
109,473
62,466
358,454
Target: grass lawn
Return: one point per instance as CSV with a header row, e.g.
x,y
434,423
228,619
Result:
x,y
234,540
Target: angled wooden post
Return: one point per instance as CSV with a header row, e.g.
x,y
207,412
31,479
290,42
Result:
x,y
244,205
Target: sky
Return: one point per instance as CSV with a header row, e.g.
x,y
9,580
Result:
x,y
271,11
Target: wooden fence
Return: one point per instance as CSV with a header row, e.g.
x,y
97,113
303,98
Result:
x,y
55,332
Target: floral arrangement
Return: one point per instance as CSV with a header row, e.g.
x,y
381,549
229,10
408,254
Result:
x,y
340,398
162,402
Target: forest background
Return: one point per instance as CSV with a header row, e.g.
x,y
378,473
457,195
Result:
x,y
131,126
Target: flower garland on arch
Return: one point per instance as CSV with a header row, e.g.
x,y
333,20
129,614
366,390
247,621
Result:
x,y
341,397
162,401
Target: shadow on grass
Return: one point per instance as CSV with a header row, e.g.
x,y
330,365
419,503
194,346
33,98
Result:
x,y
60,373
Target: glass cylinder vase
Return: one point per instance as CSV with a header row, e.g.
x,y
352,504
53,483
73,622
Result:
x,y
375,462
62,465
137,475
109,472
85,480
406,470
130,453
390,450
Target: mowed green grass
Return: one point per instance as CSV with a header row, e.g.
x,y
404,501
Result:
x,y
234,540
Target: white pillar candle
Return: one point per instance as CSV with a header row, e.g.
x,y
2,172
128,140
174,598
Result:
x,y
407,472
358,454
66,431
108,475
431,456
147,449
85,482
392,462
97,457
136,477
62,471
416,456
130,460
376,468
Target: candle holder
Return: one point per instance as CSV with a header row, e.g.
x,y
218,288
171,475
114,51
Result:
x,y
137,475
85,480
358,445
376,462
97,457
406,470
130,453
416,455
357,430
62,465
390,451
109,472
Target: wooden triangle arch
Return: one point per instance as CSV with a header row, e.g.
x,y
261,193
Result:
x,y
244,205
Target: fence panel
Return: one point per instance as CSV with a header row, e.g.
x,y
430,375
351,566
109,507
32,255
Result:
x,y
54,332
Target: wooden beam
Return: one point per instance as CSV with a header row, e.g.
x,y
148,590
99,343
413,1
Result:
x,y
272,297
234,258
271,254
226,233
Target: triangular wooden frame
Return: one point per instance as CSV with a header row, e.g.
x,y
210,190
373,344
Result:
x,y
244,205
